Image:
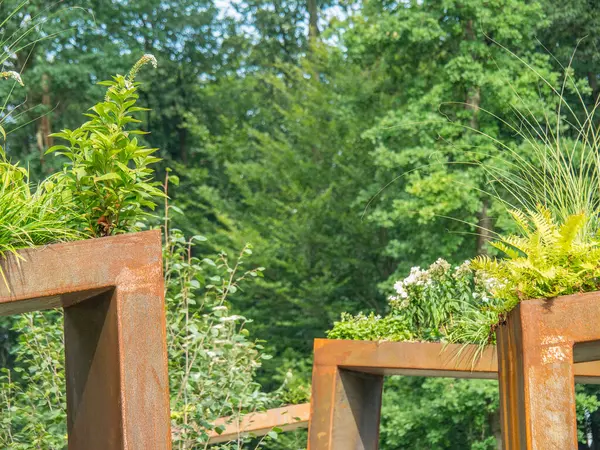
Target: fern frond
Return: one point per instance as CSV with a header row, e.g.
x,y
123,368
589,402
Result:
x,y
544,225
519,243
509,250
521,220
569,231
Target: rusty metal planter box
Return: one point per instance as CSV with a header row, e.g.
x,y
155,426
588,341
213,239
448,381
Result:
x,y
348,380
112,293
539,346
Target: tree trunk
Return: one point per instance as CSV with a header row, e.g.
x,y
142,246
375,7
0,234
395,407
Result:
x,y
484,231
313,21
183,154
593,82
472,103
44,127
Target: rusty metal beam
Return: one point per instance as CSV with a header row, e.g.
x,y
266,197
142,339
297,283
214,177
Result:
x,y
112,293
539,345
348,378
288,418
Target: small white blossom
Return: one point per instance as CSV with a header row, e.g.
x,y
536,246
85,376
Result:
x,y
463,269
220,308
147,58
416,277
400,290
440,267
230,318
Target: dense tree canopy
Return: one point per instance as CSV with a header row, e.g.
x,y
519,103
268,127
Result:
x,y
344,140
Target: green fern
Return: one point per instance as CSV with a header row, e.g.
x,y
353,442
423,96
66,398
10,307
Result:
x,y
548,259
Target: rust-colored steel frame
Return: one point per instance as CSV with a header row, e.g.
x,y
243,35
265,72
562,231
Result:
x,y
540,344
288,418
112,293
348,376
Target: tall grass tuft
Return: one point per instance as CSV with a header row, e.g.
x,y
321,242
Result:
x,y
555,169
557,164
31,215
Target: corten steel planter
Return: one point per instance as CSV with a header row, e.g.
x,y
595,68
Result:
x,y
348,380
538,346
112,293
288,418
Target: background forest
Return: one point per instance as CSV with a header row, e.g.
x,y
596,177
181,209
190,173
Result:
x,y
329,134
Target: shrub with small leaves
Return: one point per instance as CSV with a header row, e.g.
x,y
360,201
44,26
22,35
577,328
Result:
x,y
427,305
32,394
371,328
212,360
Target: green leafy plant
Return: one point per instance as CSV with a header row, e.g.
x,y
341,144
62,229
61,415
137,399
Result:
x,y
108,173
212,361
427,305
371,328
548,259
32,396
31,216
545,260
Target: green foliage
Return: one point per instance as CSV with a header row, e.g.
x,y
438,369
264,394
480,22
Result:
x,y
32,216
32,394
212,361
428,305
440,414
546,260
294,376
587,403
371,328
109,174
281,181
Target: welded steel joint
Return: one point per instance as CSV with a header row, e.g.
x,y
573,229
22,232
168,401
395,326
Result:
x,y
348,378
347,384
539,346
111,290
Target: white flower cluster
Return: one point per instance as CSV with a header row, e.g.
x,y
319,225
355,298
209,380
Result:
x,y
417,277
145,59
482,296
440,267
436,275
463,269
489,284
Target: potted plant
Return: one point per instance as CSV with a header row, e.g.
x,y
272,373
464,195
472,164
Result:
x,y
108,281
546,297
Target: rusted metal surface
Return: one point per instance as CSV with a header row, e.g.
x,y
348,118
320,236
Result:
x,y
348,377
348,380
112,293
538,346
287,418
